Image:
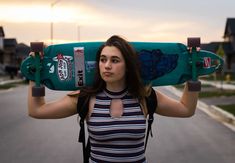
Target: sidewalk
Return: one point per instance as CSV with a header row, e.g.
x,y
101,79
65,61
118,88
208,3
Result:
x,y
213,111
219,84
7,80
208,105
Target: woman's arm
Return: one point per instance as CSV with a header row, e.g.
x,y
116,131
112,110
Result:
x,y
38,108
185,107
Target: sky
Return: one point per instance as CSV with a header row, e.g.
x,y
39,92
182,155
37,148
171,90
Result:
x,y
97,20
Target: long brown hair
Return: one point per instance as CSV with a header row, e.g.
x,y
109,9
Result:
x,y
134,82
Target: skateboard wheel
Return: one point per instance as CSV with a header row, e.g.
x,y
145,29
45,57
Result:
x,y
194,86
194,42
36,46
38,91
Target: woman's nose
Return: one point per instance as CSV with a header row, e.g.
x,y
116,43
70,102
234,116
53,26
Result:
x,y
108,65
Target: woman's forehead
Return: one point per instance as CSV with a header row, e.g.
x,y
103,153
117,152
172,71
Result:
x,y
110,51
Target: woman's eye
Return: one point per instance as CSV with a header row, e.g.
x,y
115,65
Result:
x,y
102,60
115,61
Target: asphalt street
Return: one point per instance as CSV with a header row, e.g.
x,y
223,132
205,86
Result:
x,y
199,139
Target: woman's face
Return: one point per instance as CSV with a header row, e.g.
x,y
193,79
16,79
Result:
x,y
112,65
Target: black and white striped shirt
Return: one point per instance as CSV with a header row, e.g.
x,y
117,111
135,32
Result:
x,y
116,140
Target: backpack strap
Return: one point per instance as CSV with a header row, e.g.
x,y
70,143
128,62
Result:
x,y
82,109
151,102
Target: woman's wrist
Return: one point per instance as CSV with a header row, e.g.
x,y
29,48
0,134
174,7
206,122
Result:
x,y
194,86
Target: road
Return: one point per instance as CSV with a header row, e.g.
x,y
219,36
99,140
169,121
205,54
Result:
x,y
199,139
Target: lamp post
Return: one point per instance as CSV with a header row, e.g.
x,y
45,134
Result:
x,y
52,24
78,32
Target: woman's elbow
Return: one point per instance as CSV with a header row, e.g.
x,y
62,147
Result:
x,y
34,115
189,113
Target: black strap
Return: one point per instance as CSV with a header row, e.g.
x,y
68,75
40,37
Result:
x,y
87,151
82,108
151,102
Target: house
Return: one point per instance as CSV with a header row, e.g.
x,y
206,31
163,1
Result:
x,y
225,49
11,53
2,35
22,51
229,38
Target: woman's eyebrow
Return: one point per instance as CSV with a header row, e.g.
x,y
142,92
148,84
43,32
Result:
x,y
102,55
113,57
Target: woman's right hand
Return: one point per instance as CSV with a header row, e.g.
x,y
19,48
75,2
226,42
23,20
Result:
x,y
61,108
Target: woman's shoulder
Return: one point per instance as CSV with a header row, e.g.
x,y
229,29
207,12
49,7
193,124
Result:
x,y
74,93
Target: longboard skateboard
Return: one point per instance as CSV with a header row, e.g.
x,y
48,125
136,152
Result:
x,y
72,66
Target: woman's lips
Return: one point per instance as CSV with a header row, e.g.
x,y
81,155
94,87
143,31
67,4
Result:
x,y
107,74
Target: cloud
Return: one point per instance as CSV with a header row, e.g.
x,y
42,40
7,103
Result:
x,y
97,20
166,32
42,13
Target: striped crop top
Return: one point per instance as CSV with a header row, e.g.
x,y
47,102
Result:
x,y
117,140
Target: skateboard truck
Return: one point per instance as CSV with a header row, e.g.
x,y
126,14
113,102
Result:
x,y
194,44
38,90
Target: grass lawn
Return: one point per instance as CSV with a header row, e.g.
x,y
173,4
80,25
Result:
x,y
181,86
228,108
211,91
216,93
7,86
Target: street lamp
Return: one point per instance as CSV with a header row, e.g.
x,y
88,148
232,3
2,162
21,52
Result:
x,y
52,5
78,33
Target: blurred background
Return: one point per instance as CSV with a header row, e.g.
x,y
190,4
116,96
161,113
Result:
x,y
63,21
92,20
206,137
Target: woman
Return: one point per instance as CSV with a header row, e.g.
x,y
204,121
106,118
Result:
x,y
116,119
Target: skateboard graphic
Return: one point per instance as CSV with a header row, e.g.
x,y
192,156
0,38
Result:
x,y
72,66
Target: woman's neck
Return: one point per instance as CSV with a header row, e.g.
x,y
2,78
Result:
x,y
115,87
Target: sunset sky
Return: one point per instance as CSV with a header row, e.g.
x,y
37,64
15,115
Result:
x,y
96,20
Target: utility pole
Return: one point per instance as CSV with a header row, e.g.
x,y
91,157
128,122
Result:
x,y
79,34
52,24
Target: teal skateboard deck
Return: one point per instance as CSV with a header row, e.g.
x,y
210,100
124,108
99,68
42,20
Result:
x,y
72,66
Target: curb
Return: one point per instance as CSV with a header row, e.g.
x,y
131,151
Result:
x,y
226,118
10,81
218,84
